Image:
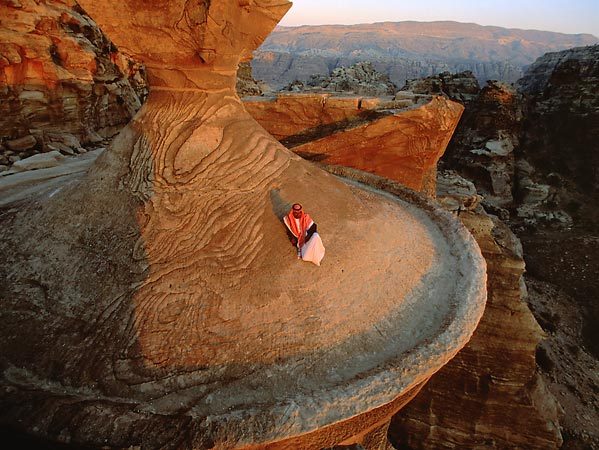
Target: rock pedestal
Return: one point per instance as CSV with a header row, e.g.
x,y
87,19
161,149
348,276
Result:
x,y
159,302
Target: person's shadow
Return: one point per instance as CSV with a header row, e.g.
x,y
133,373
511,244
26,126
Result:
x,y
280,206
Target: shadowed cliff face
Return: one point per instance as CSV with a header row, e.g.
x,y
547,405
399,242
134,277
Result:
x,y
561,130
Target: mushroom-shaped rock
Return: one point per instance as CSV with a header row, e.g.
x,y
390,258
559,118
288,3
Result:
x,y
158,302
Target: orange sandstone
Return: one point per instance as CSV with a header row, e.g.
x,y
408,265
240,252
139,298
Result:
x,y
169,306
403,145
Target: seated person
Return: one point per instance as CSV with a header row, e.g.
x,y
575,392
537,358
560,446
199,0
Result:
x,y
301,230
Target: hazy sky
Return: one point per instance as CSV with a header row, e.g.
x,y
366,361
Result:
x,y
566,16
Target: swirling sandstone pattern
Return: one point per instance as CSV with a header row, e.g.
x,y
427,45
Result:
x,y
168,309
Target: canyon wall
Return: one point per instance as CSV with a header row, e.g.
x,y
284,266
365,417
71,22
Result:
x,y
490,395
561,129
62,82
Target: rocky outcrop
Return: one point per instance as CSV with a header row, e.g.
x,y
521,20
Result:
x,y
462,87
246,85
406,50
560,138
483,147
359,79
490,395
366,134
59,75
293,116
158,302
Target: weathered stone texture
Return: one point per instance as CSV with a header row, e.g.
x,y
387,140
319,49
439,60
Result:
x,y
560,136
482,149
159,303
403,146
490,395
59,74
246,85
293,116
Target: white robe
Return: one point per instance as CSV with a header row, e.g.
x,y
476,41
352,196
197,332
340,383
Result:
x,y
313,250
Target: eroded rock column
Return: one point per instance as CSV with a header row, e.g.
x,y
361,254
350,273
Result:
x,y
158,302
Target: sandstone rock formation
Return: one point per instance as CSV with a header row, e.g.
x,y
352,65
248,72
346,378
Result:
x,y
490,395
367,134
296,115
246,85
158,302
483,147
59,74
359,79
406,50
561,132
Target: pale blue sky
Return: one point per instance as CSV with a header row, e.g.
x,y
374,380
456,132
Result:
x,y
566,16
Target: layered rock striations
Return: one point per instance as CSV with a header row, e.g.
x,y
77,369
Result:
x,y
59,76
159,303
490,395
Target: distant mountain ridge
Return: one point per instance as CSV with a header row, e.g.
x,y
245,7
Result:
x,y
406,50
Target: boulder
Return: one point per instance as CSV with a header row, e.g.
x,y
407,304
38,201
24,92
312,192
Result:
x,y
41,161
21,144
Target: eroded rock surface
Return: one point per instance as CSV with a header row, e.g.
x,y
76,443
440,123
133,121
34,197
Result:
x,y
170,310
59,75
561,135
246,85
367,134
490,394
